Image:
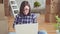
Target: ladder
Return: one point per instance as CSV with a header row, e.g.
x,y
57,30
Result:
x,y
14,7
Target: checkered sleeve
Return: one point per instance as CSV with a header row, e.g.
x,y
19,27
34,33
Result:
x,y
34,19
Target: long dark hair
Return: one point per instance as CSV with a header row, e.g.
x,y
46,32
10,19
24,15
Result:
x,y
23,4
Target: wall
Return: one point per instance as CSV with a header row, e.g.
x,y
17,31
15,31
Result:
x,y
3,21
31,2
1,1
6,7
51,11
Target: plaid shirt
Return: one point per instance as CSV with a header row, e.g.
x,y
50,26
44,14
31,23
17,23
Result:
x,y
25,19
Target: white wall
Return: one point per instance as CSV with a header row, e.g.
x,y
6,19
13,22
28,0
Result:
x,y
32,3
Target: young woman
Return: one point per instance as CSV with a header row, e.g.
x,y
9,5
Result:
x,y
25,16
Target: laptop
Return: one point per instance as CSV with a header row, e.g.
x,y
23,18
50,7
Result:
x,y
27,28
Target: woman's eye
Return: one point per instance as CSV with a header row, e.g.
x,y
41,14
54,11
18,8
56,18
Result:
x,y
26,9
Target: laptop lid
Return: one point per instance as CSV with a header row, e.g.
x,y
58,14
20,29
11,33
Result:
x,y
26,28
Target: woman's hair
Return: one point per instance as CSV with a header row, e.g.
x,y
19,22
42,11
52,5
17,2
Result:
x,y
23,4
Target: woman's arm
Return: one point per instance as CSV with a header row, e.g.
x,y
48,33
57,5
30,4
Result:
x,y
15,21
34,19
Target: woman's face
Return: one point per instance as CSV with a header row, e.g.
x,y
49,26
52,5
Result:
x,y
26,10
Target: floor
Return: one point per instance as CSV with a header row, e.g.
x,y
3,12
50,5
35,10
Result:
x,y
42,25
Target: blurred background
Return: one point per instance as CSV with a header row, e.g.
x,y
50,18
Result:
x,y
45,10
